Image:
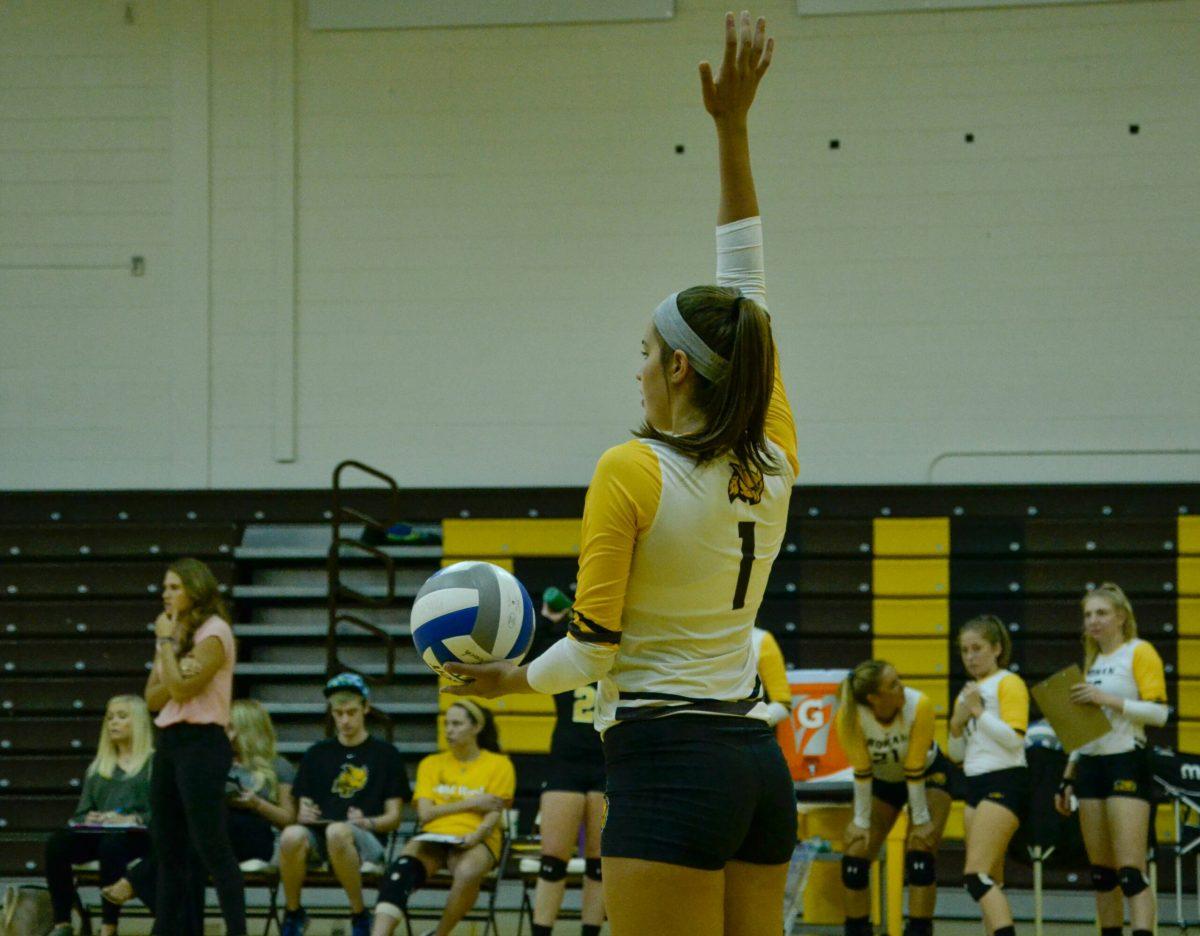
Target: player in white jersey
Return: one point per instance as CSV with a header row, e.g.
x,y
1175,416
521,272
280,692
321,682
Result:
x,y
987,736
680,528
1110,776
886,730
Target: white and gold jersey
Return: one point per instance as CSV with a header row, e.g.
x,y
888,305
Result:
x,y
1006,699
675,556
1133,671
894,752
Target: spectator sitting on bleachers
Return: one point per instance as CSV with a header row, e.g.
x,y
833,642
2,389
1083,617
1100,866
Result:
x,y
260,797
350,791
116,794
461,795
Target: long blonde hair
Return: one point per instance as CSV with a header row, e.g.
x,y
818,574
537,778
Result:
x,y
856,689
1116,597
254,744
141,741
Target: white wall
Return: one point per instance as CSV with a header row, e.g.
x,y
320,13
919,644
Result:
x,y
485,217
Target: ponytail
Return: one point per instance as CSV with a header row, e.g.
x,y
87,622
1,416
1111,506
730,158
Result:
x,y
734,407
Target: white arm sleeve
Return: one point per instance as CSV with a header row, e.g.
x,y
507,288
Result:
x,y
918,806
1147,713
862,802
740,258
956,748
1000,732
567,665
776,712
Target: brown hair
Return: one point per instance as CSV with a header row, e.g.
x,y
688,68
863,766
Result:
x,y
204,591
488,739
856,689
1115,596
734,408
991,629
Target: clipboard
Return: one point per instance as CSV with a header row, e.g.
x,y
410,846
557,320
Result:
x,y
1074,724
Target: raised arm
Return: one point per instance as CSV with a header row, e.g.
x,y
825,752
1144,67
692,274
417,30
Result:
x,y
727,97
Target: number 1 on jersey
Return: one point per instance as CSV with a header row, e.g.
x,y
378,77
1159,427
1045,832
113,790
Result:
x,y
746,532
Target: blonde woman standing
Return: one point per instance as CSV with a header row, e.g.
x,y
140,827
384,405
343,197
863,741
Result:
x,y
886,730
116,794
987,736
1110,776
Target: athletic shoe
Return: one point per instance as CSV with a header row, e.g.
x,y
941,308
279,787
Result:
x,y
295,922
360,924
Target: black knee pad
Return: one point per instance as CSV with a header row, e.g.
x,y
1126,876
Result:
x,y
552,869
856,873
918,926
920,869
591,869
404,876
978,885
1104,878
1133,882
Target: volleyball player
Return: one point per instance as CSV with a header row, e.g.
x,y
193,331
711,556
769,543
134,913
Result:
x,y
1110,776
987,736
680,528
886,730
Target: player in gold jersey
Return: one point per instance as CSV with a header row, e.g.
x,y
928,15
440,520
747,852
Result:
x,y
1110,776
681,526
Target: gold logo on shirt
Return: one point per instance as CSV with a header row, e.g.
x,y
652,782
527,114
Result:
x,y
351,780
1125,786
745,484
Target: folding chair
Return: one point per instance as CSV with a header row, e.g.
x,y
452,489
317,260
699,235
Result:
x,y
489,889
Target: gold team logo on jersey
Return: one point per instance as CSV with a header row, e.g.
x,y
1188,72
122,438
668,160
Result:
x,y
351,780
1124,786
745,484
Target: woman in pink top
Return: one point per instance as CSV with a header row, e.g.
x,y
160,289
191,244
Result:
x,y
190,686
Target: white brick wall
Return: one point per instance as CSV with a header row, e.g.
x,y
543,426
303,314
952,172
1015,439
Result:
x,y
487,216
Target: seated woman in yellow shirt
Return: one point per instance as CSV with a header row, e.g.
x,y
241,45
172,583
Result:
x,y
460,796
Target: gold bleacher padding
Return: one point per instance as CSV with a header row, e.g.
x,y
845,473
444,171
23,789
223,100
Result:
x,y
1189,698
1189,657
1187,542
1189,736
506,564
915,656
938,691
519,734
910,617
1189,618
524,703
1188,576
910,577
518,537
917,536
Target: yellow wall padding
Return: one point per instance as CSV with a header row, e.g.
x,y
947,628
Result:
x,y
918,536
1189,698
518,537
1187,542
506,564
900,577
910,617
1188,579
938,691
914,656
1189,618
1189,658
524,703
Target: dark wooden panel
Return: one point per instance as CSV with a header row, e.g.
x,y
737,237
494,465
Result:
x,y
40,774
1059,577
833,577
824,654
76,656
828,538
21,854
117,541
47,735
816,617
88,695
36,813
118,579
84,616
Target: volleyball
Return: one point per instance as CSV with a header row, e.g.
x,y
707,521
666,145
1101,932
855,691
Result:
x,y
471,612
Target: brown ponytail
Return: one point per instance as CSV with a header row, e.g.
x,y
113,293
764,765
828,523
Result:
x,y
734,408
993,631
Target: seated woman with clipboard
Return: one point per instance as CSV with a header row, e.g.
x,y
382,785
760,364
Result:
x,y
1110,776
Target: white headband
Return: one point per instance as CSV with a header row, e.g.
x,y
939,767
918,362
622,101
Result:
x,y
679,335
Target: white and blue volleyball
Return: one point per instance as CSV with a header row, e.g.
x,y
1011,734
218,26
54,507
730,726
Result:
x,y
471,612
